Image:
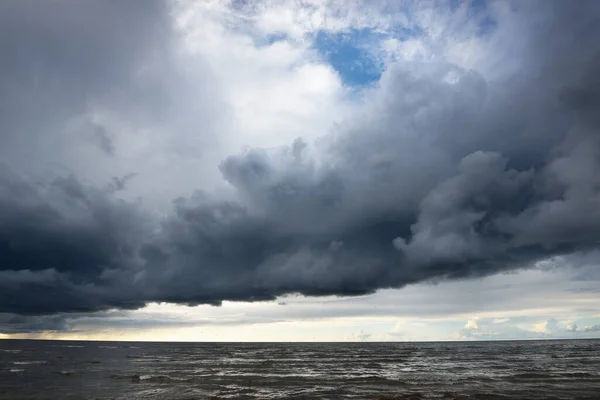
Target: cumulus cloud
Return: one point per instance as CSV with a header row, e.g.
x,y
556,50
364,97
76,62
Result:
x,y
493,329
443,170
515,328
554,327
572,328
592,328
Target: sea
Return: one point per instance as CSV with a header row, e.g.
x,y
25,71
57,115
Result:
x,y
565,369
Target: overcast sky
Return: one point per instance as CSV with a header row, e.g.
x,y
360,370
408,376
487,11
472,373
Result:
x,y
299,169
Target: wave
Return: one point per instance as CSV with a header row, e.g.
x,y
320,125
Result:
x,y
14,351
152,378
28,362
373,379
579,375
67,372
553,375
17,370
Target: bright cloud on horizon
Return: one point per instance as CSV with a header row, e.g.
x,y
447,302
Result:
x,y
321,170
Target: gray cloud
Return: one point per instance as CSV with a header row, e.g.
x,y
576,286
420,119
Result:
x,y
12,323
438,179
107,321
57,56
103,140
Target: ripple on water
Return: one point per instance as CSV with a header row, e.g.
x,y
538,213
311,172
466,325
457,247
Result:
x,y
316,371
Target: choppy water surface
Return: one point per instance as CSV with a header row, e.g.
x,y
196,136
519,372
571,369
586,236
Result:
x,y
473,370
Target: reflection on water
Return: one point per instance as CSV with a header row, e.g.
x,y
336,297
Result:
x,y
467,370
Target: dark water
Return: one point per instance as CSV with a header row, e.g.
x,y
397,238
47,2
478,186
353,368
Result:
x,y
468,370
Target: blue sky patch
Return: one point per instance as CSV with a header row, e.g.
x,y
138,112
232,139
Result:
x,y
348,54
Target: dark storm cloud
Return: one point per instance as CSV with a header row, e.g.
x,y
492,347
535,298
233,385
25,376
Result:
x,y
446,175
64,246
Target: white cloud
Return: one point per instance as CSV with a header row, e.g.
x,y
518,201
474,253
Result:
x,y
592,328
223,90
471,324
225,85
571,328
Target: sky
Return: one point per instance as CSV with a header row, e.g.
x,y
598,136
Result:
x,y
299,170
